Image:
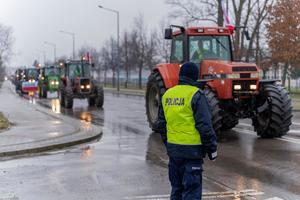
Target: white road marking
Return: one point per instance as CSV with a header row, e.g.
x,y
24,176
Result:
x,y
274,198
284,138
295,123
206,195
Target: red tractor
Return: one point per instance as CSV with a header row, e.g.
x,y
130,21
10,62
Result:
x,y
234,90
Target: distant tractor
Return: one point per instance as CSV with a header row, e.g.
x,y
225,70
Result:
x,y
234,89
18,76
30,81
77,82
48,80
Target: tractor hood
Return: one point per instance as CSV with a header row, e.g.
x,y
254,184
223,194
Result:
x,y
209,67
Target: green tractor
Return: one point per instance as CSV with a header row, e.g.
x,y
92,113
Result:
x,y
49,80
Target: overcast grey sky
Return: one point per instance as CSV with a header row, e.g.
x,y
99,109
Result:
x,y
36,21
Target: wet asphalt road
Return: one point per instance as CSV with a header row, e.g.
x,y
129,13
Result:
x,y
129,162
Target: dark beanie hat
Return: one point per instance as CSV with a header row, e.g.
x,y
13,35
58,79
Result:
x,y
190,70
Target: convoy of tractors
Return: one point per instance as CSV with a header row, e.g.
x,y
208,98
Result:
x,y
234,90
70,79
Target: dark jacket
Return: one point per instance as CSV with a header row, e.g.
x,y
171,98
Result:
x,y
203,124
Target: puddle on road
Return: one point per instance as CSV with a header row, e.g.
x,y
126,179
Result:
x,y
55,106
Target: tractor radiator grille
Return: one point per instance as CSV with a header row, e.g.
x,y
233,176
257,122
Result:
x,y
244,69
84,83
245,85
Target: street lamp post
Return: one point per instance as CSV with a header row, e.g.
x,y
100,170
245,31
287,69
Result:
x,y
118,43
54,48
73,36
44,54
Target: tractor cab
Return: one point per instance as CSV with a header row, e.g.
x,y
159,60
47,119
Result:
x,y
198,44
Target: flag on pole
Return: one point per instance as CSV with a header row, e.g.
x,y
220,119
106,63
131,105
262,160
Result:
x,y
230,26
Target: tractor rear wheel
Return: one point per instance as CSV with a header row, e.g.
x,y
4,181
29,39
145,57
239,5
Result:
x,y
216,116
61,96
68,98
44,91
154,93
273,113
99,100
91,101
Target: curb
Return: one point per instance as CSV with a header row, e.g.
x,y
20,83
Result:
x,y
51,147
124,92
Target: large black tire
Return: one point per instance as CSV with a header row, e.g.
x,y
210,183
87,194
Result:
x,y
99,100
61,96
69,98
213,102
273,113
91,101
40,92
229,121
154,93
44,91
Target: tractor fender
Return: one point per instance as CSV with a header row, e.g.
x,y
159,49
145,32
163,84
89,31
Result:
x,y
169,73
268,81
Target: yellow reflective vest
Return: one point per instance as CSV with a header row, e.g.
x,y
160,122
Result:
x,y
179,115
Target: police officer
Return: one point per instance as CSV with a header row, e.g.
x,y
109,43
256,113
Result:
x,y
185,124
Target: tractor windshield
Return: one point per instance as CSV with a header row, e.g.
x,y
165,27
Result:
x,y
52,71
209,47
79,70
32,73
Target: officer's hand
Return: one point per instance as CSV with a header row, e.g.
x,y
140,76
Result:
x,y
213,156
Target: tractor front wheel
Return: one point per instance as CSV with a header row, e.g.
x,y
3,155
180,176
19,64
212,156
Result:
x,y
154,92
273,112
215,110
68,98
44,91
99,100
61,96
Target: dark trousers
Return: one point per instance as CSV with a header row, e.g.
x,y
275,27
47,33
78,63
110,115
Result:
x,y
186,178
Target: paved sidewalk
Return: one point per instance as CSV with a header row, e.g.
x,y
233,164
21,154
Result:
x,y
35,129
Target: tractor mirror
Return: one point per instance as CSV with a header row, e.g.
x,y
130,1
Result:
x,y
247,34
168,34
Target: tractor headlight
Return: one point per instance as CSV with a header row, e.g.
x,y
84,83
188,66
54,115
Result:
x,y
253,87
52,82
254,75
82,86
88,86
33,81
233,75
237,87
43,78
56,83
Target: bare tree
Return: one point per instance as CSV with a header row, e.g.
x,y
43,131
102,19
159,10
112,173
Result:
x,y
191,10
6,43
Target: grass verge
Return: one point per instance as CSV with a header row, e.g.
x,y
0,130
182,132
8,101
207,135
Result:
x,y
4,123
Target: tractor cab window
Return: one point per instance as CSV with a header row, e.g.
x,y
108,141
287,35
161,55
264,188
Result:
x,y
32,73
177,49
79,70
51,71
209,47
75,70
